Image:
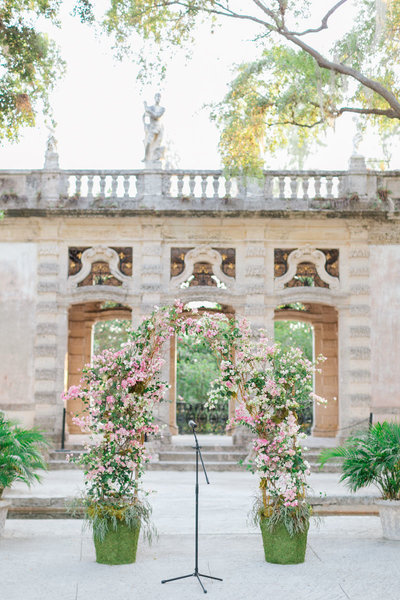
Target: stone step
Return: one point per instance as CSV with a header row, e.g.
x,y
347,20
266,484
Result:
x,y
56,507
177,465
61,465
207,456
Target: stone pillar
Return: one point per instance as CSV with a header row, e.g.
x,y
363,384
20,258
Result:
x,y
326,381
355,334
359,182
49,365
79,354
151,269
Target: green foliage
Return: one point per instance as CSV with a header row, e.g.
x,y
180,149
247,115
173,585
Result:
x,y
196,368
29,63
110,335
296,519
105,516
295,333
371,457
298,334
20,453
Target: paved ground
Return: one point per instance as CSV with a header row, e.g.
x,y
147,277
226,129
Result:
x,y
347,557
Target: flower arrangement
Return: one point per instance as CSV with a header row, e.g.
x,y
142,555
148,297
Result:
x,y
120,389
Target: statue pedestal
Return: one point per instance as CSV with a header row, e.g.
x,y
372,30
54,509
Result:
x,y
153,179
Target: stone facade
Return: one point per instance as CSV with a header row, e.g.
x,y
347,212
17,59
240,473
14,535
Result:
x,y
226,238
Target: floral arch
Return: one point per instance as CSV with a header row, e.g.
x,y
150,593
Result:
x,y
268,384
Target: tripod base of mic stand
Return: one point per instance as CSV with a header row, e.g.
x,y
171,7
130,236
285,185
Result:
x,y
195,574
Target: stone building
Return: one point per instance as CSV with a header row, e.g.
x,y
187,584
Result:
x,y
78,246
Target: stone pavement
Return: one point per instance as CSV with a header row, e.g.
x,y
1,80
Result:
x,y
347,558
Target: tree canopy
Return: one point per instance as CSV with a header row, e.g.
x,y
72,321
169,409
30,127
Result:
x,y
29,63
304,76
315,61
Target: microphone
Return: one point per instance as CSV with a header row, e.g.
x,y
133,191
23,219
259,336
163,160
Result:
x,y
192,424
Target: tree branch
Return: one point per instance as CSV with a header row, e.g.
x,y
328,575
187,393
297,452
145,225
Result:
x,y
268,12
324,21
226,12
325,63
294,122
391,114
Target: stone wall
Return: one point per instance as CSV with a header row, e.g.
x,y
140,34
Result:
x,y
18,294
37,295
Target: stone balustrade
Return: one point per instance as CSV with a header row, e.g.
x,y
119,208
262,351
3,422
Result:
x,y
211,190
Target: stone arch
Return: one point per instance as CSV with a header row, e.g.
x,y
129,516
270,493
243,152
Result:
x,y
225,309
81,318
324,319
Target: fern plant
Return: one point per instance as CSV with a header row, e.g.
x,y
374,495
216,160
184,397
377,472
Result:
x,y
21,453
371,457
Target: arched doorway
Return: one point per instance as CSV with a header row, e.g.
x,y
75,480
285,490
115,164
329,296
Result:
x,y
82,318
190,405
324,321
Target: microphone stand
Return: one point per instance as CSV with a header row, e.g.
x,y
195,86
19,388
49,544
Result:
x,y
196,563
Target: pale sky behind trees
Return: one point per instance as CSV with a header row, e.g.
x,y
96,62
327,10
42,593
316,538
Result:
x,y
98,105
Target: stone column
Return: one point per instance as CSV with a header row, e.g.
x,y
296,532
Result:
x,y
49,366
151,295
355,334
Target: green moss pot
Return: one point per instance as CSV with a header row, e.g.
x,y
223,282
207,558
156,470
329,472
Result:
x,y
281,548
119,545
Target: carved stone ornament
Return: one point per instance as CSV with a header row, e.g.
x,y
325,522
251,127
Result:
x,y
94,255
306,254
202,254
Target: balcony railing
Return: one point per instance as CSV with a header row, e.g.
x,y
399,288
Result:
x,y
172,189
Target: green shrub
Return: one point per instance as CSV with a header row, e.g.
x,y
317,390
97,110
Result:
x,y
20,453
371,457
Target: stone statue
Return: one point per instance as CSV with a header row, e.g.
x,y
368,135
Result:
x,y
357,138
51,156
154,151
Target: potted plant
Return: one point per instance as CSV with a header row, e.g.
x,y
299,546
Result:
x,y
21,456
372,457
119,390
277,385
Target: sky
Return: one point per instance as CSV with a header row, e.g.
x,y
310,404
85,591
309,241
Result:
x,y
98,106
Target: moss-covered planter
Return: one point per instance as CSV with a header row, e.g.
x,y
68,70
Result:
x,y
119,545
282,548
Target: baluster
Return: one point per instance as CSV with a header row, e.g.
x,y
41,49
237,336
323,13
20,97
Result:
x,y
216,185
180,185
127,185
204,182
281,187
114,185
102,186
90,187
268,182
305,183
78,184
293,187
192,185
317,186
329,186
228,187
